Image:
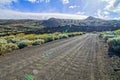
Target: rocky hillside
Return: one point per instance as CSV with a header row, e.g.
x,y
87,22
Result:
x,y
53,24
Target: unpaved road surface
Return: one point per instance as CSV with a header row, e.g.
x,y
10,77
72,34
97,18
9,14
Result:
x,y
78,58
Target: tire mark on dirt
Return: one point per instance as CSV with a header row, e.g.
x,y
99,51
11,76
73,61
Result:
x,y
78,58
26,61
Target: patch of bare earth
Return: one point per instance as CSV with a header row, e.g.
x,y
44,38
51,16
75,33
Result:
x,y
78,58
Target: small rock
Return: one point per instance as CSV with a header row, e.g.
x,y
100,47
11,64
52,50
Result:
x,y
35,72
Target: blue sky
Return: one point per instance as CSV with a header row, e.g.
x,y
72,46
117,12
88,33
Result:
x,y
68,9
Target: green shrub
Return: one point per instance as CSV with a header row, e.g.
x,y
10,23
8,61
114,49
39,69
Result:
x,y
49,38
21,40
30,37
114,44
72,34
20,35
29,77
42,36
106,37
61,36
38,42
101,35
6,47
10,47
10,40
2,49
3,41
56,37
24,43
118,31
110,33
2,45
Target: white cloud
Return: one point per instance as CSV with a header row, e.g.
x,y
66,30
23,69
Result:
x,y
105,0
106,12
102,14
39,1
6,1
80,13
117,18
9,14
112,5
33,1
65,1
72,7
99,14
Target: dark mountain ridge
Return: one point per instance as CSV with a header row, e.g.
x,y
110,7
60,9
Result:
x,y
51,25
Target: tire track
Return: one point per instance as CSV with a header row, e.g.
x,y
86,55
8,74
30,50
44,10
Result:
x,y
30,60
69,61
78,58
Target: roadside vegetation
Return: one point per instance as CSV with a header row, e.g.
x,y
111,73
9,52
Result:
x,y
113,40
21,40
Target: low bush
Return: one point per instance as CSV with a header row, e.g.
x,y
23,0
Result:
x,y
3,41
42,36
72,34
20,35
2,45
11,39
6,47
30,36
118,31
24,43
56,37
2,49
49,38
61,36
106,37
21,40
114,44
38,42
10,47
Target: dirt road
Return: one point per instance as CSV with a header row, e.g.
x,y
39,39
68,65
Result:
x,y
78,58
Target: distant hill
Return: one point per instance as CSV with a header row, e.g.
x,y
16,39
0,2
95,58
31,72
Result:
x,y
51,25
88,24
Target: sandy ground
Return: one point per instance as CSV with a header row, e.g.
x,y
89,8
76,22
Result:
x,y
78,58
